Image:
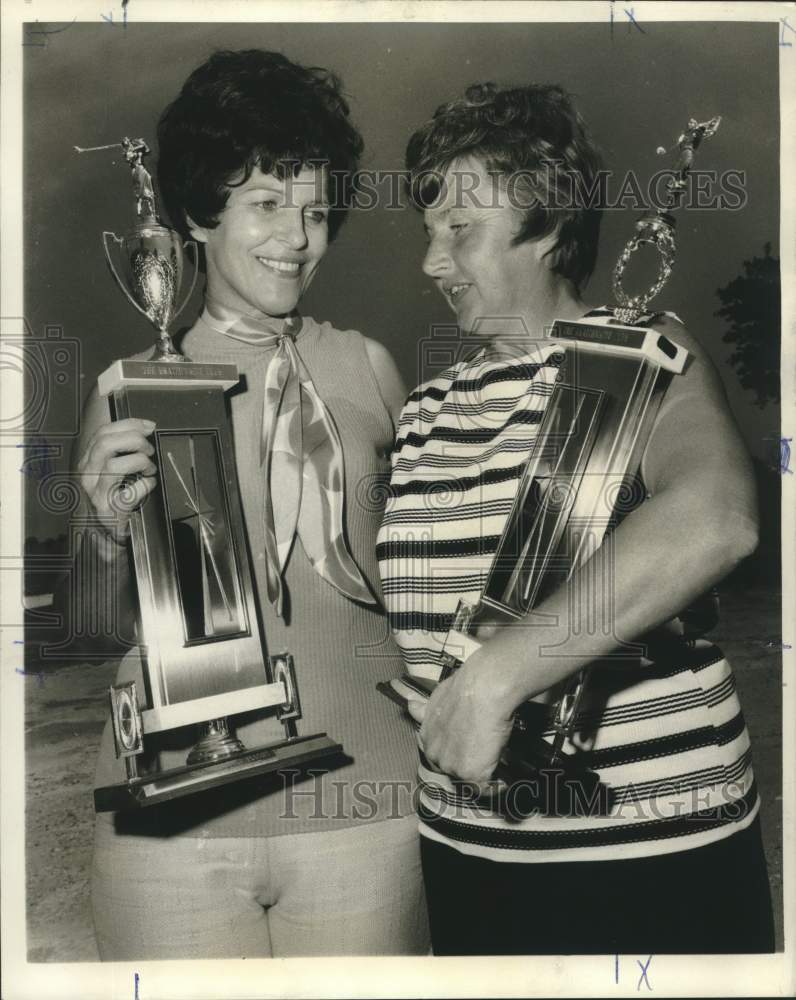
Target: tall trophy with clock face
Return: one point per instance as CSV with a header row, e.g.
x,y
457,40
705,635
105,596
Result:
x,y
204,656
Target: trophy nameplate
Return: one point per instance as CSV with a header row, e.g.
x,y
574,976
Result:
x,y
581,472
204,656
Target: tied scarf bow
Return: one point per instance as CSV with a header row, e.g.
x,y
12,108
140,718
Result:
x,y
302,459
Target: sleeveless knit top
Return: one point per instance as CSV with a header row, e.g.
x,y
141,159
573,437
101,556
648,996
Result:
x,y
341,649
666,733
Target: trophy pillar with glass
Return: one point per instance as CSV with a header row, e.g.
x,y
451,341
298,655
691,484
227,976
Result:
x,y
204,659
579,477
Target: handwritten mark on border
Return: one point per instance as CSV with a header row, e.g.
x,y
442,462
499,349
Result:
x,y
784,455
38,462
44,32
783,44
30,673
780,463
631,18
109,18
644,966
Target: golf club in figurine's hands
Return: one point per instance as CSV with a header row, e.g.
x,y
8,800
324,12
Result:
x,y
203,657
613,369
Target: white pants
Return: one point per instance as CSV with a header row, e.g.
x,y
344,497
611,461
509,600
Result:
x,y
355,891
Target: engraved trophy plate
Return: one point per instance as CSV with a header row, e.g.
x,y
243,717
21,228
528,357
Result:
x,y
612,375
204,654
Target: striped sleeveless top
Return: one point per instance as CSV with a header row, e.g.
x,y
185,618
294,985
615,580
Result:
x,y
666,733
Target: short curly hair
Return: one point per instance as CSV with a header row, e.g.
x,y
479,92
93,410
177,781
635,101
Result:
x,y
534,135
246,109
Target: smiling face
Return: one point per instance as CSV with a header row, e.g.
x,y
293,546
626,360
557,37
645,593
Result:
x,y
268,243
471,254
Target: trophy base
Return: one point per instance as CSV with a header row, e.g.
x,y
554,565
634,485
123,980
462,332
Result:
x,y
162,786
216,744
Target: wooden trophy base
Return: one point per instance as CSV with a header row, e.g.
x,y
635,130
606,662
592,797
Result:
x,y
162,786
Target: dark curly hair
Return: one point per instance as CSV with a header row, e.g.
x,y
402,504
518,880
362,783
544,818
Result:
x,y
247,109
534,136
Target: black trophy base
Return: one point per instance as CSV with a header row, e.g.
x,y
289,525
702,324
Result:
x,y
162,786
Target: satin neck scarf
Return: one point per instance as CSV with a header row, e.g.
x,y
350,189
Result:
x,y
302,460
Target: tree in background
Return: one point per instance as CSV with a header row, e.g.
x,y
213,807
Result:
x,y
751,305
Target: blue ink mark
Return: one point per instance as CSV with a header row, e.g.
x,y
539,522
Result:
x,y
29,673
632,20
783,44
643,979
616,969
784,454
38,462
783,445
136,985
109,18
778,644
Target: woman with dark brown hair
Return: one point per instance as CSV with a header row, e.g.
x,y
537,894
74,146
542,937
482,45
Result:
x,y
256,160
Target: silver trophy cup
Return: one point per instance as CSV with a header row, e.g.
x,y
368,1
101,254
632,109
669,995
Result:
x,y
149,270
148,261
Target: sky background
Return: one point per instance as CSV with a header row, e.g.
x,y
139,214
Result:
x,y
94,83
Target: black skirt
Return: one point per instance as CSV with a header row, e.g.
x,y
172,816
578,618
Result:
x,y
709,900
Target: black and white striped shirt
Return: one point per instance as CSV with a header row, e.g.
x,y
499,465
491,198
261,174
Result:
x,y
666,735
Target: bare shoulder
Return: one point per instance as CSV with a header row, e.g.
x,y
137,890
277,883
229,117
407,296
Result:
x,y
694,427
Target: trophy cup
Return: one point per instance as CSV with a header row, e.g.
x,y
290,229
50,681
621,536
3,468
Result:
x,y
580,473
204,655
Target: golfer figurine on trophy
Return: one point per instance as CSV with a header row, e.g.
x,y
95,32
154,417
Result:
x,y
204,655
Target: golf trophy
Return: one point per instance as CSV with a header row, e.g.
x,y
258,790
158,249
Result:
x,y
204,657
579,479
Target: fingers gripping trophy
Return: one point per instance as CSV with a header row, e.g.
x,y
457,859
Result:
x,y
204,657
